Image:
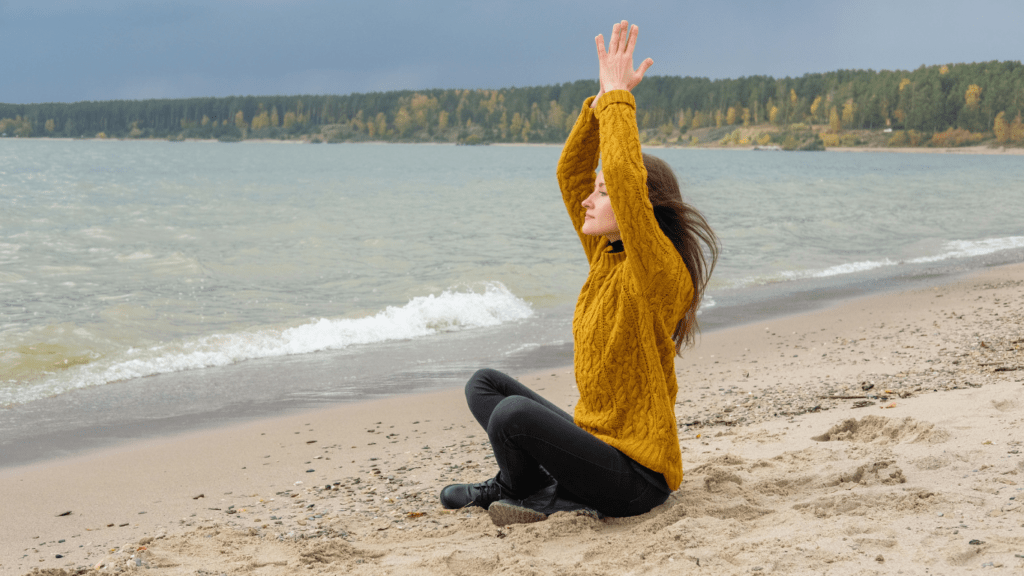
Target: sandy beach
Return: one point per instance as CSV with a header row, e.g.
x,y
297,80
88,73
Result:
x,y
879,436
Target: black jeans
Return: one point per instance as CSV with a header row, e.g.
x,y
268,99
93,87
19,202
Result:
x,y
530,435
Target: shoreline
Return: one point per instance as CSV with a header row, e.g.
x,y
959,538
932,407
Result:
x,y
966,150
122,412
750,399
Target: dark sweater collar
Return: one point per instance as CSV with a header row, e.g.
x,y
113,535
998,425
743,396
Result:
x,y
616,246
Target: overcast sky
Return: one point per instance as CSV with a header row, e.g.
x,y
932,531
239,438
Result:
x,y
68,50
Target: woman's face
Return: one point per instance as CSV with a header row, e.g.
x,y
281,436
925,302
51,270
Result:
x,y
600,219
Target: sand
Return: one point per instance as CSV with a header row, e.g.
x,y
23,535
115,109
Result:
x,y
880,436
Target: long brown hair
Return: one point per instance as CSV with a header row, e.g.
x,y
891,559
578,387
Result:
x,y
689,232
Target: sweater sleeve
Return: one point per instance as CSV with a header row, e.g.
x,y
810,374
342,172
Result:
x,y
652,259
576,173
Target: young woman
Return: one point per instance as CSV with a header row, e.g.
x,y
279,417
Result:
x,y
619,454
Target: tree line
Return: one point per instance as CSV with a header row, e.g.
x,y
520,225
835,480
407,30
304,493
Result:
x,y
976,99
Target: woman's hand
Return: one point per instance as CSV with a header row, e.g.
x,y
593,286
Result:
x,y
616,63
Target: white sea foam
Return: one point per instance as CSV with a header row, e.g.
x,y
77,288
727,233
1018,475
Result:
x,y
463,308
135,256
847,268
968,248
950,250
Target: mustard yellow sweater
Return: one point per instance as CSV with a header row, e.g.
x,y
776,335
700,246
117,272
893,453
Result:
x,y
632,300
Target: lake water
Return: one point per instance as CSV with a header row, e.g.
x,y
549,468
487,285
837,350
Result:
x,y
147,286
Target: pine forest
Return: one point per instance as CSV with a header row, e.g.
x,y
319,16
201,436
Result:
x,y
947,105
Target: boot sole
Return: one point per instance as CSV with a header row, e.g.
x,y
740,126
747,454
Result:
x,y
503,514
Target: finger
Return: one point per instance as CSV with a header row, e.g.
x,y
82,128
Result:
x,y
643,68
632,39
613,42
623,35
599,40
639,74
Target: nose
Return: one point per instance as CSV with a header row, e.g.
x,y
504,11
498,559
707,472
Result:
x,y
587,202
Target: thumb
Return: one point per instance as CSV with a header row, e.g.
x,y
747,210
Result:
x,y
644,66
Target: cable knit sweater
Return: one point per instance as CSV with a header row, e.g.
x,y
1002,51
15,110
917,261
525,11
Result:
x,y
632,300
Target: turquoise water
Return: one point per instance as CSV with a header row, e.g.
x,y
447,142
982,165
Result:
x,y
124,260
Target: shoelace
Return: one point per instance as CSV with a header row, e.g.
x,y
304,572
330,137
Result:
x,y
489,491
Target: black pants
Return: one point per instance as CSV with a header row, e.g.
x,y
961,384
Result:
x,y
530,435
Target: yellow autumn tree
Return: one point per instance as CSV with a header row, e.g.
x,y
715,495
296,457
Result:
x,y
357,121
261,121
685,118
240,120
849,110
556,116
719,118
50,126
730,115
516,125
973,96
382,124
773,115
944,70
904,83
746,116
403,121
442,121
422,109
815,106
1017,130
835,126
275,120
1001,128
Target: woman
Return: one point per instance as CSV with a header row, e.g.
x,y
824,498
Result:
x,y
619,455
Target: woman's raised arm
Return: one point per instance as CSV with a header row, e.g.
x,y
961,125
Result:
x,y
652,258
576,174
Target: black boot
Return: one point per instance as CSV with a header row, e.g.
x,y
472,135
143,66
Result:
x,y
481,494
536,508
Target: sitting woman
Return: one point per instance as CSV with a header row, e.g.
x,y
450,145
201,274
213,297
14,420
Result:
x,y
619,455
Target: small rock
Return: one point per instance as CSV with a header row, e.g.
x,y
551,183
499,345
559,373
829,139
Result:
x,y
976,542
68,513
879,558
310,470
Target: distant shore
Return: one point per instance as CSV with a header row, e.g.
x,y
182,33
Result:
x,y
967,150
974,150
